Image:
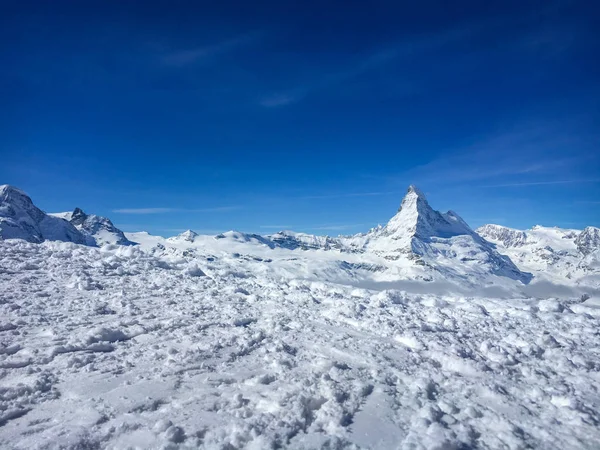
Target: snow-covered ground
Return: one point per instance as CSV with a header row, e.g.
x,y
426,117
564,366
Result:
x,y
420,334
115,347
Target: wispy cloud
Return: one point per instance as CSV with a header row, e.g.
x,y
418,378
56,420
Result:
x,y
338,227
514,156
184,57
281,99
378,58
350,194
299,92
142,210
168,210
540,183
276,227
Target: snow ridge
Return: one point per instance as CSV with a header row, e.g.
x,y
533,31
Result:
x,y
550,252
21,219
442,242
97,229
588,240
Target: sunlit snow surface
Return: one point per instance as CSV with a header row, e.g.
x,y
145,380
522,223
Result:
x,y
236,345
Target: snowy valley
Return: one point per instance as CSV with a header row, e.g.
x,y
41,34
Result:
x,y
419,334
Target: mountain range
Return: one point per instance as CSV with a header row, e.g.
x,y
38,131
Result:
x,y
418,243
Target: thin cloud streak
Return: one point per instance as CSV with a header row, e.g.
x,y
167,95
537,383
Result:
x,y
530,148
181,58
540,183
338,227
377,59
348,195
276,227
142,210
168,210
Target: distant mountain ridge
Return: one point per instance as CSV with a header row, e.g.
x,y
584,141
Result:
x,y
417,243
550,252
438,240
98,230
21,219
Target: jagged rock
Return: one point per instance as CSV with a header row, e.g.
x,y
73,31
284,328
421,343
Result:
x,y
21,219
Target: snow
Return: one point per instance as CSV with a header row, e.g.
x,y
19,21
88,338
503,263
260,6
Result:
x,y
298,341
557,254
97,230
21,219
152,355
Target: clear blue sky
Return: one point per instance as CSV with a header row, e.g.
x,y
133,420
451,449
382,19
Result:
x,y
315,116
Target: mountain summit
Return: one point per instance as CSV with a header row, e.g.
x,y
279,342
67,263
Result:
x,y
416,218
21,219
98,230
442,241
186,236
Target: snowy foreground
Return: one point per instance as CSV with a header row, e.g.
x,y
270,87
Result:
x,y
420,334
119,347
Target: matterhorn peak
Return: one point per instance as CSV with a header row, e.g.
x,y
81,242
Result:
x,y
413,198
414,217
412,189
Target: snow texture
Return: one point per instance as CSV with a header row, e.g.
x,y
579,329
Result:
x,y
21,219
554,254
292,341
98,230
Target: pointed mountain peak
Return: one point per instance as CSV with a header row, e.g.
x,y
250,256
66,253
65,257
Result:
x,y
188,235
412,189
414,200
78,216
416,218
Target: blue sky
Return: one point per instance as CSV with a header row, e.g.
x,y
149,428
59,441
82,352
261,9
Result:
x,y
312,116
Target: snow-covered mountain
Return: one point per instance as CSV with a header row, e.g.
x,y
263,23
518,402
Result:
x,y
418,243
442,243
550,252
21,219
588,240
303,241
416,334
98,230
186,236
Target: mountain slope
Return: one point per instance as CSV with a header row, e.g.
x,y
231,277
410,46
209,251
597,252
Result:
x,y
442,242
186,236
418,243
98,230
553,253
588,240
21,219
